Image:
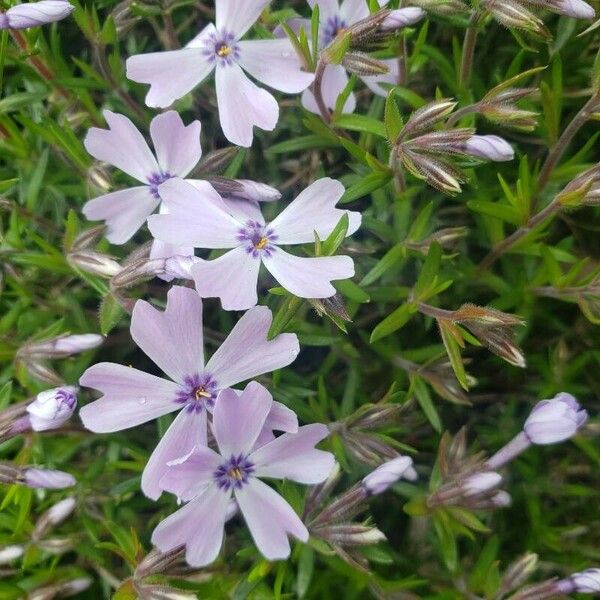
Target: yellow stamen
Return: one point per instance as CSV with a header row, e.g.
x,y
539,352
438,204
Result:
x,y
224,51
201,393
235,473
262,243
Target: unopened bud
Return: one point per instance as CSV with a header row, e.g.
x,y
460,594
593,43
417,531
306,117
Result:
x,y
60,511
42,372
509,116
480,483
428,115
74,587
363,64
389,473
47,478
56,546
349,534
10,553
518,572
162,592
99,177
52,408
217,160
402,17
333,305
556,420
501,499
577,9
587,582
94,263
438,173
157,562
65,345
446,8
489,147
511,14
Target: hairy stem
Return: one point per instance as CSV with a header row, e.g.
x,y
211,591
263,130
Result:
x,y
399,181
468,53
435,312
318,91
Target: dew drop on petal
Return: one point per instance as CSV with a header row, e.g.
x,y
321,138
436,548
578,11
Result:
x,y
142,400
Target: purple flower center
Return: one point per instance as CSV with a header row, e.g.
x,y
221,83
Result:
x,y
333,26
234,473
155,180
66,397
221,48
197,392
257,239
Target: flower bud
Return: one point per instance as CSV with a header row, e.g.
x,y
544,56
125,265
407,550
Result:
x,y
379,480
402,17
61,510
257,192
511,14
217,160
363,64
180,266
501,499
162,592
52,408
34,14
10,553
489,147
575,8
481,482
587,582
555,420
75,586
94,263
65,345
47,478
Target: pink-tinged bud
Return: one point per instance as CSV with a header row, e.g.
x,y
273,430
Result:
x,y
402,17
555,420
10,553
48,479
60,511
587,582
389,473
482,482
575,8
65,345
489,147
52,408
257,192
501,499
34,14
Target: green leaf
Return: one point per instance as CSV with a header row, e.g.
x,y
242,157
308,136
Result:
x,y
368,184
336,237
418,387
430,270
496,210
109,314
361,123
452,340
394,321
392,118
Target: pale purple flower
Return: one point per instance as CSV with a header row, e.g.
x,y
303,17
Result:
x,y
173,340
208,480
574,8
481,482
34,14
587,582
334,17
379,480
47,478
241,103
233,276
52,408
176,152
555,420
402,17
489,147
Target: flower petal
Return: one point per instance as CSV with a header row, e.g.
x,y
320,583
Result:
x,y
244,210
188,476
374,82
37,13
124,211
187,431
173,338
171,74
232,277
239,418
191,475
335,80
280,418
199,525
242,105
275,63
247,352
123,146
269,518
237,16
308,277
197,216
130,397
293,456
352,11
313,210
177,146
327,9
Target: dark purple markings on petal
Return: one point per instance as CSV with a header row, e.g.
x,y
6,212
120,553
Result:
x,y
155,180
221,48
333,26
66,397
197,392
234,473
257,239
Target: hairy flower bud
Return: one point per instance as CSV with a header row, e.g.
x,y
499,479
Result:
x,y
379,480
47,478
445,8
555,420
217,160
363,64
481,482
512,14
489,147
402,17
52,408
517,572
94,263
428,115
162,592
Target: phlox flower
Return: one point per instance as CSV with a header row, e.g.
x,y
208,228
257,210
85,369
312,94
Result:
x,y
34,14
333,18
233,276
208,480
173,340
241,103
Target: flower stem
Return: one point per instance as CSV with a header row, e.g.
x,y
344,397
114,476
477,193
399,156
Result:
x,y
517,445
562,143
468,53
318,90
433,311
399,181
